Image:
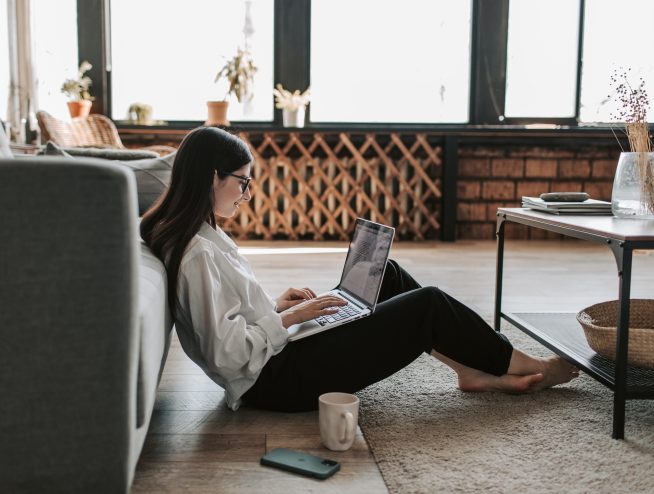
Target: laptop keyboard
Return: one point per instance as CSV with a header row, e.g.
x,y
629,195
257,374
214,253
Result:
x,y
344,311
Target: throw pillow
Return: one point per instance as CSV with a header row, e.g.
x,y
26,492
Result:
x,y
152,174
51,149
5,151
112,154
152,178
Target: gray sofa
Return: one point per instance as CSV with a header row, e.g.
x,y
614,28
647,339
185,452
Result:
x,y
84,327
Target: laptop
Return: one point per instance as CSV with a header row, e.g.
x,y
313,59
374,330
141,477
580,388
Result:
x,y
361,280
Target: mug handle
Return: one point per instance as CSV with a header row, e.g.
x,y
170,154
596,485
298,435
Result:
x,y
348,430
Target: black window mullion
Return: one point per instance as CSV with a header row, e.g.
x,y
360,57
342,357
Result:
x,y
580,56
490,25
292,47
91,34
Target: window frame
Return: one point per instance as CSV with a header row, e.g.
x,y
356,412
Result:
x,y
569,121
292,49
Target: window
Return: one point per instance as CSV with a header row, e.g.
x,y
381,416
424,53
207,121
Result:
x,y
166,54
541,66
398,62
616,36
4,62
55,51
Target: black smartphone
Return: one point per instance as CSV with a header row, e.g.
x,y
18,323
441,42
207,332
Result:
x,y
302,463
564,196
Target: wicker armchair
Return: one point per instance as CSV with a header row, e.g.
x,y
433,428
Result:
x,y
96,131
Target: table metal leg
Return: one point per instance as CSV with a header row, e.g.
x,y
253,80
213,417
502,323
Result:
x,y
499,232
623,258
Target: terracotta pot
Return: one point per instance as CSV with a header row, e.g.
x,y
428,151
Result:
x,y
80,108
217,113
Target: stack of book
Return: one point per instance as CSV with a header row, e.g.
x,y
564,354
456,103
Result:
x,y
589,206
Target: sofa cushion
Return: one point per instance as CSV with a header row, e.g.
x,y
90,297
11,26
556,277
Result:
x,y
155,324
152,174
5,152
52,149
152,178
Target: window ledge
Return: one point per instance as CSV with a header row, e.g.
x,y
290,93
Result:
x,y
456,130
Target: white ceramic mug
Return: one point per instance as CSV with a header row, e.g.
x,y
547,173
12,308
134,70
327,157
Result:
x,y
339,416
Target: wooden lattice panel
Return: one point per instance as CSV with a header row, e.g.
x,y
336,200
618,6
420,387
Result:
x,y
314,185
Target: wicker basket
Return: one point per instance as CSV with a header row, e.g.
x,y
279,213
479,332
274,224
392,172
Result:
x,y
600,321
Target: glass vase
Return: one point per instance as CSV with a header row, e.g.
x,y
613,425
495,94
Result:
x,y
633,186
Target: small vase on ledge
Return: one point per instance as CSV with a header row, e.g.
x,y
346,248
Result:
x,y
633,187
293,118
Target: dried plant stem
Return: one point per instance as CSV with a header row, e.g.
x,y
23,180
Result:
x,y
617,140
640,142
646,169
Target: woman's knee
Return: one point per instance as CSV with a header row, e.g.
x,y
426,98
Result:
x,y
442,300
393,262
431,293
392,269
422,300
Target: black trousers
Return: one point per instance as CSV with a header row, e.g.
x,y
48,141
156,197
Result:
x,y
408,320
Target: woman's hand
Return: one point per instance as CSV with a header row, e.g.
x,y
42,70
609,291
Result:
x,y
292,297
310,309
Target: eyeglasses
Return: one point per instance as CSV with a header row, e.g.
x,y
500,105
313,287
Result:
x,y
245,181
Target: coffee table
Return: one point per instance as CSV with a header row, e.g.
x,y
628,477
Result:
x,y
561,332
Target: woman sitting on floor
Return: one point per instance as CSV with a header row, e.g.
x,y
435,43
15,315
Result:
x,y
230,327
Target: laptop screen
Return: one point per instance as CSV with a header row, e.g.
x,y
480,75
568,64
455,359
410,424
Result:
x,y
366,260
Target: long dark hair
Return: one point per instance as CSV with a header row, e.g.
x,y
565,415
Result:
x,y
170,224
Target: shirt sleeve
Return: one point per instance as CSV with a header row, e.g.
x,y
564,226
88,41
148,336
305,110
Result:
x,y
230,345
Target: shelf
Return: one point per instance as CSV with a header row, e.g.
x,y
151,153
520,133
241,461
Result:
x,y
561,333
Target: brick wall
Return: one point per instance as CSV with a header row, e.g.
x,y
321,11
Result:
x,y
494,174
493,177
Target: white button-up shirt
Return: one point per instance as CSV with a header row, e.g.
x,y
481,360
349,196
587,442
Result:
x,y
225,321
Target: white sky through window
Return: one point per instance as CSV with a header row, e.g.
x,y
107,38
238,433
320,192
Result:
x,y
4,61
55,51
616,35
166,53
541,66
380,61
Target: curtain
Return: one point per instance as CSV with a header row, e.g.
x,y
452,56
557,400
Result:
x,y
22,74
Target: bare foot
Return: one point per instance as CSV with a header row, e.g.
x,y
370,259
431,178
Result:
x,y
477,381
556,371
525,374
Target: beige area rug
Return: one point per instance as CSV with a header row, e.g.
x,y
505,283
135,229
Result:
x,y
427,436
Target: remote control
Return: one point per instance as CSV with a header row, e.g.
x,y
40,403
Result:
x,y
564,196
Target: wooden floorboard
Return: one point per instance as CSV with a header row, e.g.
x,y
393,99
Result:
x,y
204,448
251,478
196,445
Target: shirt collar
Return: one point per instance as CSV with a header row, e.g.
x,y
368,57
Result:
x,y
217,236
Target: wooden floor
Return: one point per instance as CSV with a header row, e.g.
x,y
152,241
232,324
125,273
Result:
x,y
196,445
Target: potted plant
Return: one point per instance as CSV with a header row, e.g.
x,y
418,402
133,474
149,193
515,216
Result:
x,y
77,89
292,105
140,113
239,72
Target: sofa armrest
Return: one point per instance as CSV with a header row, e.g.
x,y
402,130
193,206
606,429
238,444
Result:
x,y
68,289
